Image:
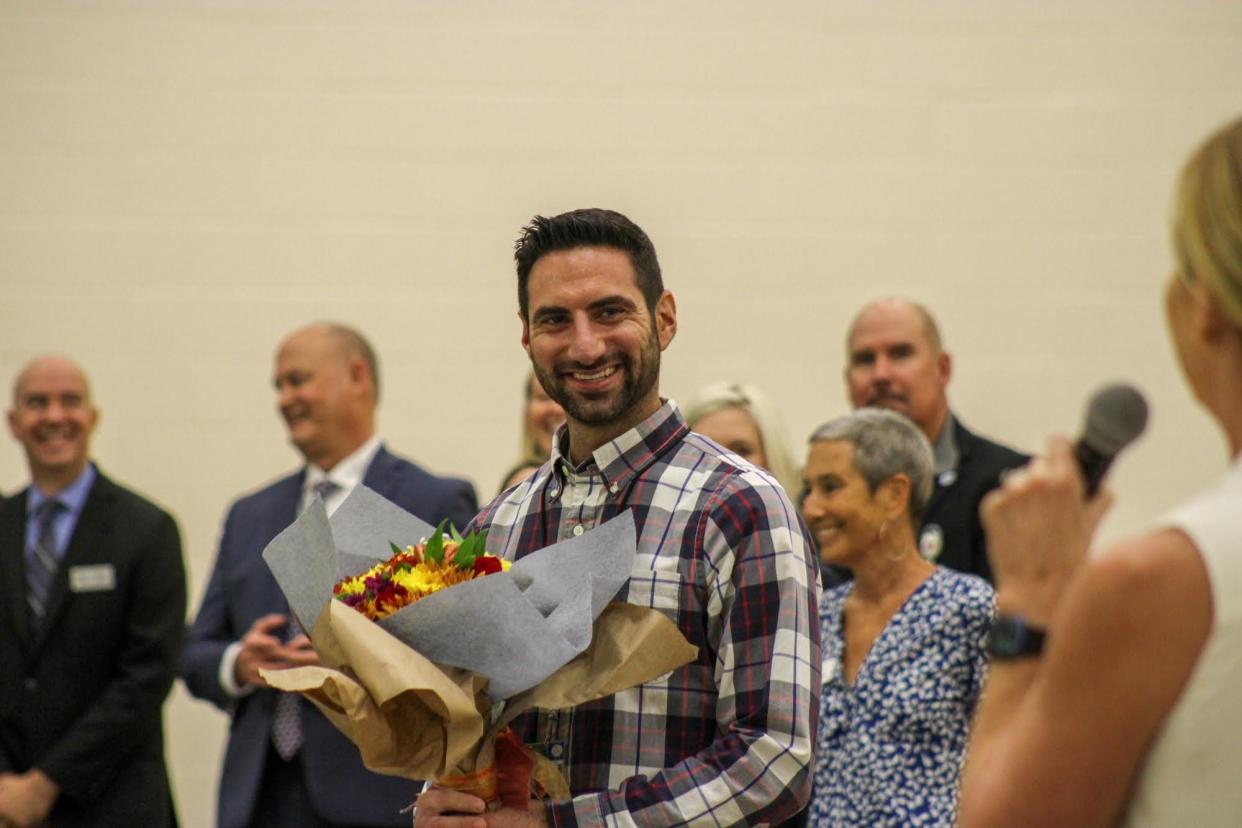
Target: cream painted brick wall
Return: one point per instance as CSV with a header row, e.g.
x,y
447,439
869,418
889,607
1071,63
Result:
x,y
181,184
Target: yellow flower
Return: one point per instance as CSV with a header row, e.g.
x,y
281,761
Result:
x,y
352,586
422,579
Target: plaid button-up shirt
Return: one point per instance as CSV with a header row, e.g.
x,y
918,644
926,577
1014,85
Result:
x,y
726,739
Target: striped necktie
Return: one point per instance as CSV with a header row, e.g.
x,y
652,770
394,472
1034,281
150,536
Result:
x,y
41,573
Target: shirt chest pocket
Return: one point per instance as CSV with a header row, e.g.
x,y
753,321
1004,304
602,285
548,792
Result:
x,y
672,595
680,601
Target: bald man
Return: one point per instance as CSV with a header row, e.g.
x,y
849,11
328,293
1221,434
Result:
x,y
895,360
93,591
285,764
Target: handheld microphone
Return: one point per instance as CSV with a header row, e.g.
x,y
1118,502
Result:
x,y
1116,416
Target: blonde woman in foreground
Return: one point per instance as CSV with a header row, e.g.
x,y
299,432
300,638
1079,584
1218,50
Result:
x,y
1132,712
541,417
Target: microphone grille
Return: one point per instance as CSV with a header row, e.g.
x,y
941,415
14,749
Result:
x,y
1116,416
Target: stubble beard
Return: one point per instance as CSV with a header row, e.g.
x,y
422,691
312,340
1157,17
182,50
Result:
x,y
601,412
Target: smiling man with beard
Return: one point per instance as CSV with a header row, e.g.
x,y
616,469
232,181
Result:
x,y
285,764
726,739
895,360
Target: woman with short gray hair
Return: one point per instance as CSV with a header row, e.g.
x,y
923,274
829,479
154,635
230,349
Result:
x,y
902,642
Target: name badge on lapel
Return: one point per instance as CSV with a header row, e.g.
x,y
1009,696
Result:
x,y
931,542
92,578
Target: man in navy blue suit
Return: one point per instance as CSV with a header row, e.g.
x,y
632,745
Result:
x,y
285,764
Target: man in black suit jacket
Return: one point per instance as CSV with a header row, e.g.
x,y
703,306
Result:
x,y
895,360
326,383
91,627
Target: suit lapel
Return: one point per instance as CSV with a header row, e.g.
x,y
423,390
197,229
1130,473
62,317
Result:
x,y
284,511
12,562
379,473
287,496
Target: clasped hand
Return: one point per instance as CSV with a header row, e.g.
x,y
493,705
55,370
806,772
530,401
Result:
x,y
264,649
26,799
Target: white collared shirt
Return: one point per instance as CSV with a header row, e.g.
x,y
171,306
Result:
x,y
346,474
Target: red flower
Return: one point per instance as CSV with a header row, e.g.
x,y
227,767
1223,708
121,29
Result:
x,y
486,565
391,598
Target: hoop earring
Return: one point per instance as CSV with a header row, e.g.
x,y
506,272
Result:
x,y
880,537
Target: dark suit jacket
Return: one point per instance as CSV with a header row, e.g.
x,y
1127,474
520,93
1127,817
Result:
x,y
240,591
954,504
82,701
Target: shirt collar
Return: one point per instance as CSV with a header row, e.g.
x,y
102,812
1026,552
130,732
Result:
x,y
945,453
72,496
621,459
349,472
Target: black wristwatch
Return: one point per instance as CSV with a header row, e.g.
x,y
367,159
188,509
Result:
x,y
1011,637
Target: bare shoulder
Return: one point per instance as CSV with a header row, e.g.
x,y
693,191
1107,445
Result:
x,y
1144,604
1077,722
1155,573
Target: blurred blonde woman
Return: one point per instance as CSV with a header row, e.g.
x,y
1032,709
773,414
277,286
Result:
x,y
1130,710
541,417
741,418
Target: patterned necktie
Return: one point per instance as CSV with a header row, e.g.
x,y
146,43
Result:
x,y
43,562
287,717
287,720
324,489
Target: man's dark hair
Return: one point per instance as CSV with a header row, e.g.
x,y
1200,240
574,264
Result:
x,y
591,227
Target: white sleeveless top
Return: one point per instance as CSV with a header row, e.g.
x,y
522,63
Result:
x,y
1193,774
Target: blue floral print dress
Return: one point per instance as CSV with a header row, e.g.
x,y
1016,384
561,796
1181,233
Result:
x,y
890,746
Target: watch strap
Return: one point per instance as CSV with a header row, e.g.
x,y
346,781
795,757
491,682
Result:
x,y
1011,636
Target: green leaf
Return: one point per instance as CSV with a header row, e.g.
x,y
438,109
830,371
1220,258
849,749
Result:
x,y
467,552
479,545
396,550
434,551
455,534
471,549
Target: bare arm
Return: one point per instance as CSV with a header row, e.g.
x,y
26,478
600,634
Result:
x,y
1058,738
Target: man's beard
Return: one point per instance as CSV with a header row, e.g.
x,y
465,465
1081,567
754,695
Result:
x,y
639,380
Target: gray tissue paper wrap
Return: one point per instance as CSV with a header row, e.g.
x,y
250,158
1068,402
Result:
x,y
515,627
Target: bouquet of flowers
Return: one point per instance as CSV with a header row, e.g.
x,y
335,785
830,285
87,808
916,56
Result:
x,y
425,662
416,572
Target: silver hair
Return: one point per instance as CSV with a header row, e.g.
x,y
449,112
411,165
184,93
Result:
x,y
886,443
